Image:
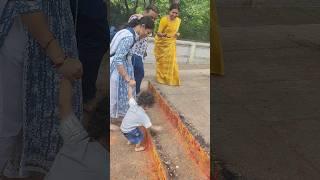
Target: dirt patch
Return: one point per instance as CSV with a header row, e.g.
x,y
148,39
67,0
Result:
x,y
170,167
127,164
169,144
196,134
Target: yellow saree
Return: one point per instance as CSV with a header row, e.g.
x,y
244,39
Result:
x,y
167,70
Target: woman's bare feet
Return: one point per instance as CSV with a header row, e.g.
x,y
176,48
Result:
x,y
139,148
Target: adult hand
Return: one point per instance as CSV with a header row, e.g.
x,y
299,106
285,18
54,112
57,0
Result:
x,y
71,69
132,83
162,35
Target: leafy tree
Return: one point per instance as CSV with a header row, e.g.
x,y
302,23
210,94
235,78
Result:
x,y
195,15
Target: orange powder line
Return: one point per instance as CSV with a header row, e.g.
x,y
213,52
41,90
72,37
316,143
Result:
x,y
196,152
157,165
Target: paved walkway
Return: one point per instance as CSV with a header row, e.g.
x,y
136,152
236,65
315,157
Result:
x,y
266,108
192,98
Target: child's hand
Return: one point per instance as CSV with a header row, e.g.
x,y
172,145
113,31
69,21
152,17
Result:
x,y
156,128
65,98
71,69
132,83
130,92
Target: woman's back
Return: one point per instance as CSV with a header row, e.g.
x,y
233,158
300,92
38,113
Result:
x,y
121,35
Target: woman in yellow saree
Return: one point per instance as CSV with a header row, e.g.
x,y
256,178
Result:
x,y
167,70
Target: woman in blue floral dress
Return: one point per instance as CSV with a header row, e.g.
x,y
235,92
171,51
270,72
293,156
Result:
x,y
36,117
121,69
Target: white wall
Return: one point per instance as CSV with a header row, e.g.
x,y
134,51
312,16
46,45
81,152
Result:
x,y
187,52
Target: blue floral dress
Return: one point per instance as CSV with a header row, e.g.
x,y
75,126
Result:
x,y
41,140
120,48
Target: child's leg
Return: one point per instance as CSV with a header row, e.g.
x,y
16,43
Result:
x,y
142,145
145,136
65,98
136,137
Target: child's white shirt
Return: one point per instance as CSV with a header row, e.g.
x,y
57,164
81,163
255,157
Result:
x,y
79,158
135,117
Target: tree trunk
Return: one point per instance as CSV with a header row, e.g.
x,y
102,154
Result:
x,y
127,8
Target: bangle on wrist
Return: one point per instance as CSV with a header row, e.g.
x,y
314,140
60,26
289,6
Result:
x,y
48,44
128,80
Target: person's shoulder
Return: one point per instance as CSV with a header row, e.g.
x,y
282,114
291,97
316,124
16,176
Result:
x,y
164,18
141,110
127,35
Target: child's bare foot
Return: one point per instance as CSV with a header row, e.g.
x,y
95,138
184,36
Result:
x,y
139,148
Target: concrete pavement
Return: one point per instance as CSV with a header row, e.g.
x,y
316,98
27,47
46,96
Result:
x,y
191,99
265,109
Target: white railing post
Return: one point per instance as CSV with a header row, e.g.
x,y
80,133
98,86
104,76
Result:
x,y
192,53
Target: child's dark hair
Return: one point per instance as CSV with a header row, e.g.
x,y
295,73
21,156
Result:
x,y
174,6
146,99
152,8
145,20
97,123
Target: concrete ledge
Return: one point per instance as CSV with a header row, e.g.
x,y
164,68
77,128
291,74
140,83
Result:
x,y
196,152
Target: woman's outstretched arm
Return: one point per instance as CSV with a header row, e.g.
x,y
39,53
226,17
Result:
x,y
161,28
121,56
38,27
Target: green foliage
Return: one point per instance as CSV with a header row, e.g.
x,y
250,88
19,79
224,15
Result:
x,y
195,15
